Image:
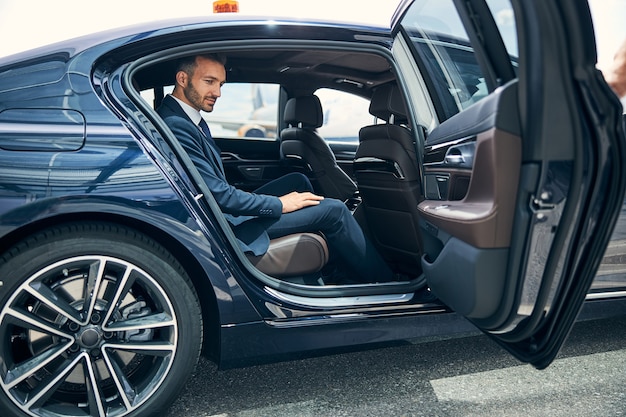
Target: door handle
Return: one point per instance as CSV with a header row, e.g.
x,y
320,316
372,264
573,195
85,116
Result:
x,y
454,159
461,155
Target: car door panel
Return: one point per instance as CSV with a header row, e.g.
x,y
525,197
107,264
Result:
x,y
448,169
517,254
443,183
250,163
469,238
484,217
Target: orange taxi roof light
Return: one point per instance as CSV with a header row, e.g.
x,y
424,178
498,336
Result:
x,y
226,6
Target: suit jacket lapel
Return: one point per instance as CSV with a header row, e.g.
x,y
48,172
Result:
x,y
212,150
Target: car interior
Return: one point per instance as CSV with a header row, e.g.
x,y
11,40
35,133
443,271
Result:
x,y
379,177
301,143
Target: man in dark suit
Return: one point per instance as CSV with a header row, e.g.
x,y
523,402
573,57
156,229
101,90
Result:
x,y
282,207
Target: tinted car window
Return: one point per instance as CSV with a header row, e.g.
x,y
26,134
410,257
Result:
x,y
444,48
344,115
250,110
245,110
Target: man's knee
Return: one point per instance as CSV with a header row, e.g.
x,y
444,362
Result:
x,y
336,209
298,182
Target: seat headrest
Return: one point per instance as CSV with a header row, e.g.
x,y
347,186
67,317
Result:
x,y
387,101
306,110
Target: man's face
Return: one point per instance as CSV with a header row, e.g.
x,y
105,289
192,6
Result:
x,y
202,89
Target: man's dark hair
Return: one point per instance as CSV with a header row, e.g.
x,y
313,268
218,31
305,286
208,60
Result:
x,y
188,63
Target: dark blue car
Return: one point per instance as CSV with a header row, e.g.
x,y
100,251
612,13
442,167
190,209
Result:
x,y
474,142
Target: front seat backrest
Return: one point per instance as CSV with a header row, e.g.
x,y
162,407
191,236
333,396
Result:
x,y
303,147
388,176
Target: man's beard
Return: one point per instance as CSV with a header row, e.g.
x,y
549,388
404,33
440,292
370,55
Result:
x,y
194,98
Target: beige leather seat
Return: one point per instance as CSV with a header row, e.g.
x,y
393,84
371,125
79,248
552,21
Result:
x,y
302,146
293,255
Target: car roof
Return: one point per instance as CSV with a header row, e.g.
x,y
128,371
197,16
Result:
x,y
146,29
303,66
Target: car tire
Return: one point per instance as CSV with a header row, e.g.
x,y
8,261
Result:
x,y
126,352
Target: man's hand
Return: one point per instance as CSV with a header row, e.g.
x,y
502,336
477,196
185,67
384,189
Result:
x,y
295,201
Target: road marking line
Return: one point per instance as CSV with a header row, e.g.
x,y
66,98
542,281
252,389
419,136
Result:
x,y
520,382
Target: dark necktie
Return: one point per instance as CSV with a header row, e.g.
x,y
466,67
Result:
x,y
204,127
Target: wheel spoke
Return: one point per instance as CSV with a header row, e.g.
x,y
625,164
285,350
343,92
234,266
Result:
x,y
124,388
92,286
148,348
47,387
34,364
122,286
30,321
152,321
49,299
93,391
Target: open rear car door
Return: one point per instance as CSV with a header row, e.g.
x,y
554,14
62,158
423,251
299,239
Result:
x,y
522,165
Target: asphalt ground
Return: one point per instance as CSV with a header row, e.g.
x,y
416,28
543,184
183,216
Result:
x,y
468,376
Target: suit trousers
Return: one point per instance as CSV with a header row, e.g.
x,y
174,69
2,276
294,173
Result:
x,y
335,221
